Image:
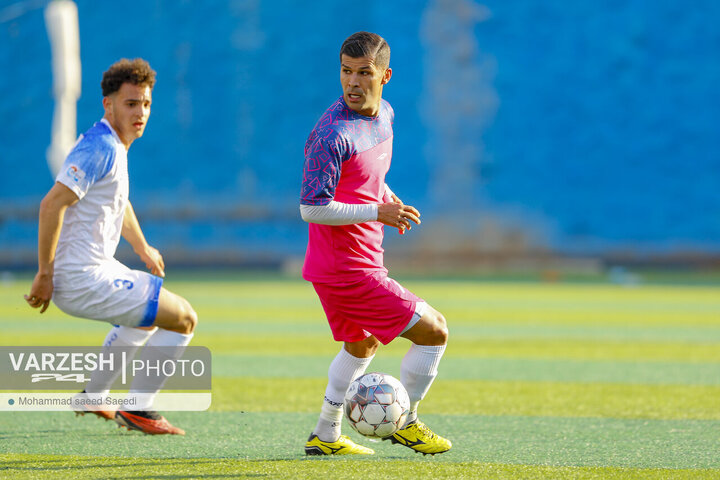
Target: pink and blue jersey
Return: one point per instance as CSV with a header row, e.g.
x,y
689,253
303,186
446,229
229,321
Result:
x,y
347,156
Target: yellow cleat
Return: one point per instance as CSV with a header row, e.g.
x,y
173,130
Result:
x,y
343,446
421,439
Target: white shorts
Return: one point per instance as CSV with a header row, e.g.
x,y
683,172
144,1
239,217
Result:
x,y
110,292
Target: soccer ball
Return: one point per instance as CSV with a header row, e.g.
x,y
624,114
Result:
x,y
376,405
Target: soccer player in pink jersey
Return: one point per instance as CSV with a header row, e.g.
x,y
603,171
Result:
x,y
346,202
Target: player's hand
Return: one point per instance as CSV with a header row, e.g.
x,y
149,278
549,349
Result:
x,y
153,261
40,292
396,214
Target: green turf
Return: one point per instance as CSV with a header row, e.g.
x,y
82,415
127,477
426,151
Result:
x,y
539,381
493,398
64,466
555,441
515,369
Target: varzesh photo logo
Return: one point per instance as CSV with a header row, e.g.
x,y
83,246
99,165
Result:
x,y
62,377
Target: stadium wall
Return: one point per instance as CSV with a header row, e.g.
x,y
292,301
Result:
x,y
546,128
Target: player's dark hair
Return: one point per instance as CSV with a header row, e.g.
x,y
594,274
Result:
x,y
136,72
366,44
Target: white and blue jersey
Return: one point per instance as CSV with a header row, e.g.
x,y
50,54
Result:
x,y
88,281
96,170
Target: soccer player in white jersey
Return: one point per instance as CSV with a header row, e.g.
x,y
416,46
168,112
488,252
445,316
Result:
x,y
81,220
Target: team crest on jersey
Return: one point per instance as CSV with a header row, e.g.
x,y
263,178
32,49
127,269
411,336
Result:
x,y
75,173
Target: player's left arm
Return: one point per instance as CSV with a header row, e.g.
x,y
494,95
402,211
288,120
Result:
x,y
133,234
395,213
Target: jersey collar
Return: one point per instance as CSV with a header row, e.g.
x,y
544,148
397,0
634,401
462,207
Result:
x,y
112,130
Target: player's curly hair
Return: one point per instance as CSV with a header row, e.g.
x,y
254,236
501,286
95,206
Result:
x,y
137,72
367,44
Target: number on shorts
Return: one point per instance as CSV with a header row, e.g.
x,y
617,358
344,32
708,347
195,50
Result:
x,y
121,283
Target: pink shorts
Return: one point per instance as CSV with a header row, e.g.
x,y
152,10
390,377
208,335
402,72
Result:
x,y
376,305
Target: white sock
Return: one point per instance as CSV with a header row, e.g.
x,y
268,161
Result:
x,y
417,372
119,336
343,370
146,387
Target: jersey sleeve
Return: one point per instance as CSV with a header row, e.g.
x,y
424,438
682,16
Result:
x,y
336,213
321,174
87,163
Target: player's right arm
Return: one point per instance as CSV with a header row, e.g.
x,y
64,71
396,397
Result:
x,y
394,214
52,212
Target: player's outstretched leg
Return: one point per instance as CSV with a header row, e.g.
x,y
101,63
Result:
x,y
128,338
176,321
348,364
418,370
146,386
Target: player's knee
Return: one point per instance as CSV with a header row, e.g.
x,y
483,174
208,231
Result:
x,y
188,319
364,348
439,333
191,320
371,349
